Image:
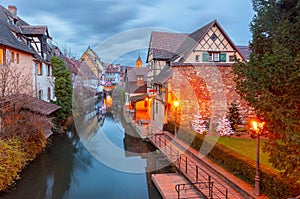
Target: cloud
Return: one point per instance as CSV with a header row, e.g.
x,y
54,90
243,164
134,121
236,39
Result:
x,y
83,23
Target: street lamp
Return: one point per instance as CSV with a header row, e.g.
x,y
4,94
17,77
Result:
x,y
257,127
176,104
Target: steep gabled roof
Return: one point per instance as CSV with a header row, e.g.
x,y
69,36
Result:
x,y
194,38
134,72
8,29
165,44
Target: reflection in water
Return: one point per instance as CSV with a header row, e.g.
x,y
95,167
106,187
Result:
x,y
66,170
51,174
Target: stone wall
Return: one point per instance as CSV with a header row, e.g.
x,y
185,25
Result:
x,y
205,90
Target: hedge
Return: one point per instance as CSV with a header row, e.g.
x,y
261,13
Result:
x,y
272,183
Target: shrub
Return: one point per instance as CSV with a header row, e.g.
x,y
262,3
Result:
x,y
12,160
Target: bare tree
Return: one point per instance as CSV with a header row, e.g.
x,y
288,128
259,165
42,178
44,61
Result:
x,y
14,81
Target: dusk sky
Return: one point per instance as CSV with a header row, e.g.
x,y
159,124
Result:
x,y
109,25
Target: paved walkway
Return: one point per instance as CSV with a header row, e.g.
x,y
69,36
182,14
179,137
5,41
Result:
x,y
166,183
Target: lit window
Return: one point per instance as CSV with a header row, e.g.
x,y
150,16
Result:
x,y
39,69
1,56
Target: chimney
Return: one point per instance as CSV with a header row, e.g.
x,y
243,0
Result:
x,y
13,10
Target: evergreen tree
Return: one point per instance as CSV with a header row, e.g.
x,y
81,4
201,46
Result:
x,y
62,89
234,115
270,81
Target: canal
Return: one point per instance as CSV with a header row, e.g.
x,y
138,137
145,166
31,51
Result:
x,y
75,165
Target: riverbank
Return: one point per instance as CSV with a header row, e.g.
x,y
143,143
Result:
x,y
18,152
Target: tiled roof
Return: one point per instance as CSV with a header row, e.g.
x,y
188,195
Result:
x,y
134,88
245,51
165,44
163,76
86,72
134,72
6,36
33,104
34,30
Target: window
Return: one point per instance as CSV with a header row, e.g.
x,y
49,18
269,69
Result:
x,y
39,69
231,58
48,70
213,37
12,57
197,58
40,94
18,58
49,94
213,57
1,56
222,57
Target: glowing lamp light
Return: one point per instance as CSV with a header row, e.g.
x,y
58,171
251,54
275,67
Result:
x,y
254,125
176,103
257,126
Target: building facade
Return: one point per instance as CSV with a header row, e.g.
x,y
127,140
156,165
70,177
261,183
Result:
x,y
26,50
196,71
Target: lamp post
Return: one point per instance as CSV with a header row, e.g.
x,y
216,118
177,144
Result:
x,y
176,104
257,127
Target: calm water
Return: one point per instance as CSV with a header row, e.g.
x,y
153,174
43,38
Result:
x,y
68,170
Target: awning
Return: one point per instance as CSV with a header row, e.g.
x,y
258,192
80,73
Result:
x,y
137,98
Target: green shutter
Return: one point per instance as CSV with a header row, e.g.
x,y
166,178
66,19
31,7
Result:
x,y
205,57
222,57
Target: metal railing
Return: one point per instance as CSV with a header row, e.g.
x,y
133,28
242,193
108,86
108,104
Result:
x,y
189,168
195,185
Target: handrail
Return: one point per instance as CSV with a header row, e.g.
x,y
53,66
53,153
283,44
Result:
x,y
193,185
182,160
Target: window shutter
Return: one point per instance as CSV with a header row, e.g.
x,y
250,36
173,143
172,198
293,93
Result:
x,y
222,57
205,57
